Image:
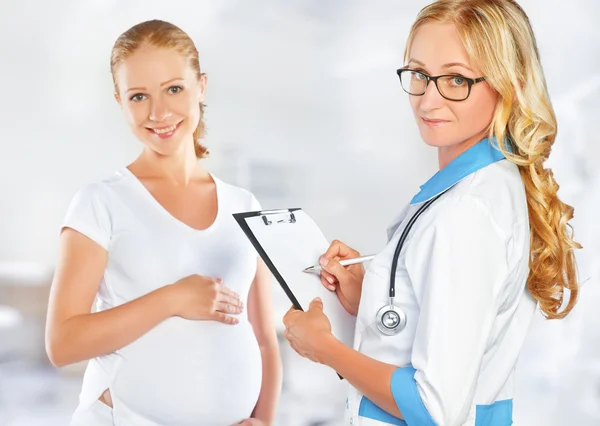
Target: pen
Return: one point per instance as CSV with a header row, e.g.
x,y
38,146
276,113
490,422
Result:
x,y
318,268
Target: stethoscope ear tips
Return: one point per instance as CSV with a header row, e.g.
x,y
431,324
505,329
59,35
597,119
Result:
x,y
391,320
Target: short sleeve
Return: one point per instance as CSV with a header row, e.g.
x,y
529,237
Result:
x,y
89,214
254,204
458,267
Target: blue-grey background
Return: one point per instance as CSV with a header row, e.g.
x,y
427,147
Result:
x,y
304,109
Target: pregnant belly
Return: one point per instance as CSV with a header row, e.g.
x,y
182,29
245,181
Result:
x,y
189,373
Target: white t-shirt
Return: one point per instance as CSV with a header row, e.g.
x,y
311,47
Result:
x,y
181,372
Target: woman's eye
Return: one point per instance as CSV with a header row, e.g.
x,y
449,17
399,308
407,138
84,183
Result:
x,y
137,97
419,75
175,89
458,81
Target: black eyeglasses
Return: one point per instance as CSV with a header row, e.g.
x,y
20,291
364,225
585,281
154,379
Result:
x,y
452,87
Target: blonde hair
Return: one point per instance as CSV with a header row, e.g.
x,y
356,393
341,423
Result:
x,y
163,35
497,35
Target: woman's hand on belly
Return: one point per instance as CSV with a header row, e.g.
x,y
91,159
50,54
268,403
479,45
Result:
x,y
197,297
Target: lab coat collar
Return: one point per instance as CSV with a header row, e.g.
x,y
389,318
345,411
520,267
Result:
x,y
477,157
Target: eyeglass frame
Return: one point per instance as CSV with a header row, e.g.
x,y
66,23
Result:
x,y
428,78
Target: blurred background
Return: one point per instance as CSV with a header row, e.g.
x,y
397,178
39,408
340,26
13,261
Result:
x,y
304,110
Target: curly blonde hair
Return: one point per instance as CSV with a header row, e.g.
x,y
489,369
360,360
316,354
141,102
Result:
x,y
497,35
161,34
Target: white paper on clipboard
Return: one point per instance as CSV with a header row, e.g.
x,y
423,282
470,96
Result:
x,y
288,241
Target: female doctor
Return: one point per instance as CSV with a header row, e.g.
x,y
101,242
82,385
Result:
x,y
443,310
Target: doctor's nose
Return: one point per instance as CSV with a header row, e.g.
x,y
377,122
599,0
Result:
x,y
431,99
159,111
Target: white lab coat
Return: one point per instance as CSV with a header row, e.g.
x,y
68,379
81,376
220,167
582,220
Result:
x,y
461,280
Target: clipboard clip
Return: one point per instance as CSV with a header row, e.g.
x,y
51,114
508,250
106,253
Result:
x,y
265,213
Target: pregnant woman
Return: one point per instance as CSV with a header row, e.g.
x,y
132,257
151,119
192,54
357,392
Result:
x,y
183,332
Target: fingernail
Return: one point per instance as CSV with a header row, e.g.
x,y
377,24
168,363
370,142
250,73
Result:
x,y
330,280
330,287
323,261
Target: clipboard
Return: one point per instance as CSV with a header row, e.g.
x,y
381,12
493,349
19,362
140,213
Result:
x,y
288,241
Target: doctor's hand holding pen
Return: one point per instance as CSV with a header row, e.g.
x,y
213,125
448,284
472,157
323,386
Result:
x,y
345,281
341,271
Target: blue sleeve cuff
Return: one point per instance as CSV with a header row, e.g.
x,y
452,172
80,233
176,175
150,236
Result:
x,y
408,400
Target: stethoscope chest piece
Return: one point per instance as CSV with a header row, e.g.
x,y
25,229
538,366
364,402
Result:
x,y
391,320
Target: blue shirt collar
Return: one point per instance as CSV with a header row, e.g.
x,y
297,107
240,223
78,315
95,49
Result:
x,y
477,157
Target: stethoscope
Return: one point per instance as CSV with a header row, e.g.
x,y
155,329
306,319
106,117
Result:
x,y
391,319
